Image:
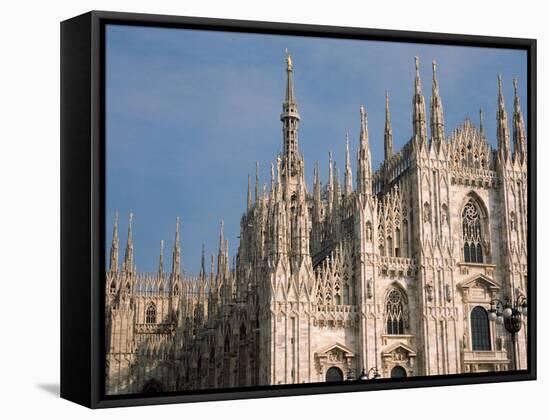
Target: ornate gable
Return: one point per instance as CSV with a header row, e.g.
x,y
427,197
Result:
x,y
335,349
479,288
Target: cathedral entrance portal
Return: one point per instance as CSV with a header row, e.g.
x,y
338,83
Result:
x,y
334,374
152,386
398,372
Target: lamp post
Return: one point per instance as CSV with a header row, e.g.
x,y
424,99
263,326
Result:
x,y
372,373
509,314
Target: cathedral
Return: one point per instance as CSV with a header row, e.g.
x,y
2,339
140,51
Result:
x,y
391,274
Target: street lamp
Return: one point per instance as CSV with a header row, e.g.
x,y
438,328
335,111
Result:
x,y
372,373
509,314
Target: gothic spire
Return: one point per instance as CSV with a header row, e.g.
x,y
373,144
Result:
x,y
212,277
330,193
290,119
388,133
248,195
437,123
364,168
272,179
129,253
161,259
348,187
519,127
419,108
113,264
278,185
503,133
221,252
301,223
337,192
226,253
257,189
176,254
289,93
202,272
481,127
317,192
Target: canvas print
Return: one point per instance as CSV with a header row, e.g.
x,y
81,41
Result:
x,y
286,210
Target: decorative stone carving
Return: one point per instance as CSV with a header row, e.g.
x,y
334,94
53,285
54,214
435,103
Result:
x,y
429,292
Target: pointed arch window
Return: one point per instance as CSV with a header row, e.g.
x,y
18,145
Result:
x,y
481,339
395,312
113,287
242,332
226,344
397,242
389,246
472,233
151,314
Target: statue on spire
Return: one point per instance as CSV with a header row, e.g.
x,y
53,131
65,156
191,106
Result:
x,y
288,60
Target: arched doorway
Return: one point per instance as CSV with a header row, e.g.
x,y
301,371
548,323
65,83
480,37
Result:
x,y
398,372
334,374
152,386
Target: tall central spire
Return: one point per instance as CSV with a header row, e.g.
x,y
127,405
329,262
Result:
x,y
419,108
290,119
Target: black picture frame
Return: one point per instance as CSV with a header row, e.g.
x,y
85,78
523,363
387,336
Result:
x,y
83,203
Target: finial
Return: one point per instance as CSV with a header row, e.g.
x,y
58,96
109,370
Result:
x,y
288,60
515,81
363,114
417,64
130,221
116,218
161,258
177,231
499,82
248,195
434,64
257,191
481,129
203,269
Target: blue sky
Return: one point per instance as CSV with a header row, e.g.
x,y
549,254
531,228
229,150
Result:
x,y
190,112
